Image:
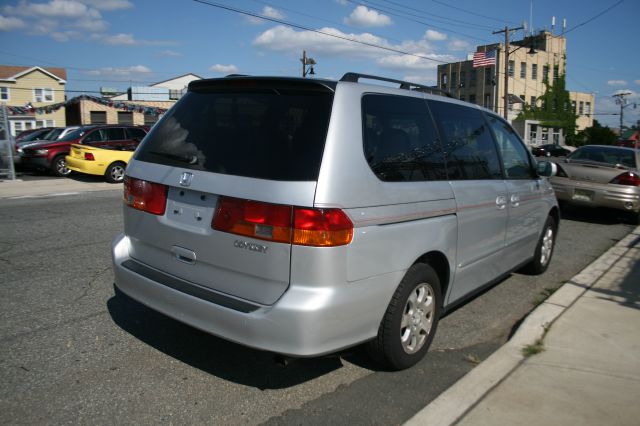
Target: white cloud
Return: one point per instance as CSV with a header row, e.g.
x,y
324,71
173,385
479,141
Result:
x,y
120,72
52,9
123,39
267,11
92,25
10,23
119,39
342,2
616,83
169,53
458,45
434,35
63,36
365,17
109,4
224,69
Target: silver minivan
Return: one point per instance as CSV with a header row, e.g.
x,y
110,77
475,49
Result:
x,y
305,216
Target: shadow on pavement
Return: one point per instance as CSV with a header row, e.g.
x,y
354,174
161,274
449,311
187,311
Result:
x,y
213,355
596,216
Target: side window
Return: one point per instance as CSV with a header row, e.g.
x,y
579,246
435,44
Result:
x,y
400,141
515,158
135,133
470,150
114,133
95,136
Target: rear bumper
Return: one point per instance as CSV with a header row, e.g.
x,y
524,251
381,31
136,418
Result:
x,y
305,321
84,166
618,197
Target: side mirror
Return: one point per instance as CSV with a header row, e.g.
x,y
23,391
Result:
x,y
546,168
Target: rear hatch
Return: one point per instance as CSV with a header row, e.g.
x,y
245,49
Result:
x,y
234,154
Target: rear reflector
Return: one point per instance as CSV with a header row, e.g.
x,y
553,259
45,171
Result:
x,y
147,196
89,156
628,178
284,224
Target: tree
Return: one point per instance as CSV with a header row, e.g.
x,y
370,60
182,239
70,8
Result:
x,y
596,135
554,109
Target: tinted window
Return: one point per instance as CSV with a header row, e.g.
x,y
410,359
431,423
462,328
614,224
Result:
x,y
136,133
261,133
515,157
97,135
603,154
74,135
468,144
400,142
114,134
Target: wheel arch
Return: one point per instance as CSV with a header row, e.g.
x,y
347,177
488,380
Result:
x,y
439,262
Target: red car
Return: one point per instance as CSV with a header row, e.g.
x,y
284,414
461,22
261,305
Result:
x,y
49,155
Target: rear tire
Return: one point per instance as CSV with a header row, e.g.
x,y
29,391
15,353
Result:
x,y
115,172
59,166
410,322
544,249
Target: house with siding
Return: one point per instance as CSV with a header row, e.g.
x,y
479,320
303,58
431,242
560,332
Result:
x,y
29,88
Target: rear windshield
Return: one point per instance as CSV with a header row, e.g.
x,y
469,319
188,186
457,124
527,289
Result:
x,y
259,133
609,155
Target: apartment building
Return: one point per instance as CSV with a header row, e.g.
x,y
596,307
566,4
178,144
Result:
x,y
533,61
29,91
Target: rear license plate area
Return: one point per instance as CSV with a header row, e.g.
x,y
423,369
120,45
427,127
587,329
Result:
x,y
189,208
583,195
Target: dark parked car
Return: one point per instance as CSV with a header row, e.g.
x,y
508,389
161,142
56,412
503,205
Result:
x,y
50,155
600,176
550,150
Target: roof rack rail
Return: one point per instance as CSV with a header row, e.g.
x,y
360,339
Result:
x,y
353,77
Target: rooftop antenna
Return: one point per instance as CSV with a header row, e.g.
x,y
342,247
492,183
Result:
x,y
564,25
553,23
531,18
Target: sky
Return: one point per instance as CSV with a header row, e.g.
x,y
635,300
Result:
x,y
118,43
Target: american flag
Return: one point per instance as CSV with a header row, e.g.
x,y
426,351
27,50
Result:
x,y
484,59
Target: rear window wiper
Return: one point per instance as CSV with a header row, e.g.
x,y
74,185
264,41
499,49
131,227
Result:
x,y
189,159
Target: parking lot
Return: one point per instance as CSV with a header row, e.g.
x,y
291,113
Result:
x,y
74,350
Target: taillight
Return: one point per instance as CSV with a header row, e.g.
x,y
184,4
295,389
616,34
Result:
x,y
89,156
285,224
628,178
147,196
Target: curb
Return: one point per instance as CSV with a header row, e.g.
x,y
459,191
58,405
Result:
x,y
452,405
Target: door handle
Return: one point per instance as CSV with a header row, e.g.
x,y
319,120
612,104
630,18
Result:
x,y
515,200
501,202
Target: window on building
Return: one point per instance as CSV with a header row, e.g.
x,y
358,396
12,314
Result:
x,y
463,78
454,80
573,106
125,117
174,94
533,102
512,68
473,76
488,75
545,73
98,117
487,100
443,80
472,99
150,119
45,123
556,72
534,71
581,108
4,93
42,95
523,70
587,108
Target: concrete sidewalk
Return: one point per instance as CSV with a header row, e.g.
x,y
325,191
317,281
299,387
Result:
x,y
588,367
48,186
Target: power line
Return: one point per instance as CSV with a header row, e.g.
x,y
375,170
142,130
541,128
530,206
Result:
x,y
473,13
594,17
305,28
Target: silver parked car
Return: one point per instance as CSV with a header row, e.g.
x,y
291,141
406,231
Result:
x,y
305,216
601,176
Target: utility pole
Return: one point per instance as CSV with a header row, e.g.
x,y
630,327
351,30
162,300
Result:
x,y
307,61
506,66
620,100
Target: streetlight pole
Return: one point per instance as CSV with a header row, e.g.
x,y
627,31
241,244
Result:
x,y
506,67
307,62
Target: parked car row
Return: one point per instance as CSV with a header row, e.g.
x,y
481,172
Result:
x,y
96,149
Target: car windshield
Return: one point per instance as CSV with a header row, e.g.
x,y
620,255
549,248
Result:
x,y
607,155
73,135
52,135
38,134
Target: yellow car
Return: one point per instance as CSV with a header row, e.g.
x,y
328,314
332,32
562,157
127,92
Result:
x,y
109,163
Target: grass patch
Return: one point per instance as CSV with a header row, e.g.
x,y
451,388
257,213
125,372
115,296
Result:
x,y
533,349
544,295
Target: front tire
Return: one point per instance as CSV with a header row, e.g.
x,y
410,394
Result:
x,y
410,322
115,172
544,249
59,167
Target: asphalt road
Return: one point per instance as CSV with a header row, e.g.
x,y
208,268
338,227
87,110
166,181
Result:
x,y
74,351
